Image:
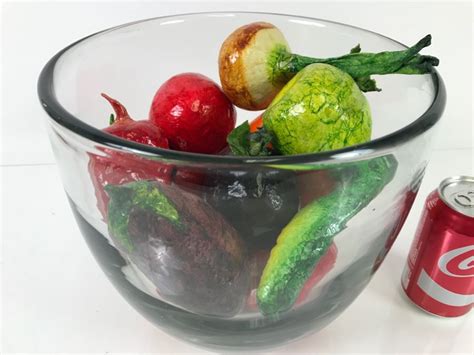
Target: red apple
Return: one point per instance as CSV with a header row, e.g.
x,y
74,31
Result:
x,y
193,113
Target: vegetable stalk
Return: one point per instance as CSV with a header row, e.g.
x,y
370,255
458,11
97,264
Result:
x,y
255,62
362,64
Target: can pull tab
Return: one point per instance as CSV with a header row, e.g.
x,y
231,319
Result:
x,y
465,199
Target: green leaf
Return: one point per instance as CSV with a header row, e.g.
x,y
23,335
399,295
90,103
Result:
x,y
259,143
142,194
356,49
244,143
120,204
366,84
149,197
238,139
420,63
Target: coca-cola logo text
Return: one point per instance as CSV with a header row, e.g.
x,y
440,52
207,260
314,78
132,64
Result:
x,y
458,262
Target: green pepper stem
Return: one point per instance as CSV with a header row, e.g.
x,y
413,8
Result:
x,y
362,65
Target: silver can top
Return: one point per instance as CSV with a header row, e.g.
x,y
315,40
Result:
x,y
458,193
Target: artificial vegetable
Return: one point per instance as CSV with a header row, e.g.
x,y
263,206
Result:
x,y
320,109
322,268
115,167
143,131
193,113
306,238
258,203
255,62
188,251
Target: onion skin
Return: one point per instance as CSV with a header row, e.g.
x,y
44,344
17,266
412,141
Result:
x,y
244,70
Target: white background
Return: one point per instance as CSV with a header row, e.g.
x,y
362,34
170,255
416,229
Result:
x,y
54,296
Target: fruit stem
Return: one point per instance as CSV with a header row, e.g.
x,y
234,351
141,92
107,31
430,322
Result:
x,y
120,111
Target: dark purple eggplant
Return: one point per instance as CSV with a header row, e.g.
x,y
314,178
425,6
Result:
x,y
193,256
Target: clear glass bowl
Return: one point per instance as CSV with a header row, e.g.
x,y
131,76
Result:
x,y
199,282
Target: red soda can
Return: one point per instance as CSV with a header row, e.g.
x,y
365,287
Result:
x,y
439,275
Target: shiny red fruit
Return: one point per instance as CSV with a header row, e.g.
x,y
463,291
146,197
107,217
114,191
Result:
x,y
143,132
193,113
322,268
115,167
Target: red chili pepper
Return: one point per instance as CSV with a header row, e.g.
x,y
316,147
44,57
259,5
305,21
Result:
x,y
322,268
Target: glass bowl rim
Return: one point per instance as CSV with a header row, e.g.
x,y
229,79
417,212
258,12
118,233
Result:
x,y
61,116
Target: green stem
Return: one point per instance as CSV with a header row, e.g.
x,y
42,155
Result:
x,y
362,65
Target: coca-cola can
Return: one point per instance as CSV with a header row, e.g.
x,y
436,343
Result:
x,y
439,274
